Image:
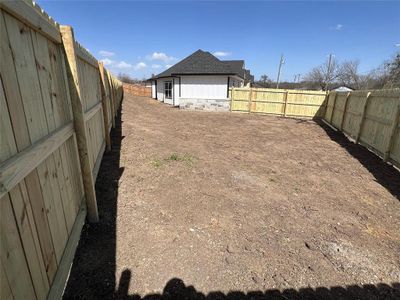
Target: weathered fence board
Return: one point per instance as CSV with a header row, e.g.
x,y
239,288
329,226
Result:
x,y
43,193
291,103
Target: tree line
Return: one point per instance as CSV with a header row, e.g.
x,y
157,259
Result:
x,y
346,73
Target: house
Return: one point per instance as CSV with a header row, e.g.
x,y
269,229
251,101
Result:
x,y
200,81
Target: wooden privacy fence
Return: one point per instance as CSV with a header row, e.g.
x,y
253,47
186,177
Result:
x,y
137,90
290,103
370,118
57,106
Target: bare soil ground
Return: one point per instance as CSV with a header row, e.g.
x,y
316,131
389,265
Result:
x,y
197,204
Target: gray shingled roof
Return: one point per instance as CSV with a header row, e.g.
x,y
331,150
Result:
x,y
237,66
202,62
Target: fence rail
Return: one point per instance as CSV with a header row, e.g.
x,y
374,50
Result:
x,y
57,107
370,118
290,103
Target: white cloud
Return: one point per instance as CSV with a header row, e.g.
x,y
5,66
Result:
x,y
155,66
124,65
337,27
107,61
397,45
168,66
106,53
221,53
140,66
160,56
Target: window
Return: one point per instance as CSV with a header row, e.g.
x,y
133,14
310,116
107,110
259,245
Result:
x,y
168,89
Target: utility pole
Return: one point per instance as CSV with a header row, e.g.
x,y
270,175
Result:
x,y
281,62
328,73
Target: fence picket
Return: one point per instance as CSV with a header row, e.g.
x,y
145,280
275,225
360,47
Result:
x,y
41,178
393,130
364,112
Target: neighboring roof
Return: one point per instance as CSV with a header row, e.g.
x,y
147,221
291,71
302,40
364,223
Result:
x,y
237,66
248,76
202,62
343,89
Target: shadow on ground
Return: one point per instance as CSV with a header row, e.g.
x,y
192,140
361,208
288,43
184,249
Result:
x,y
93,272
385,174
95,278
176,289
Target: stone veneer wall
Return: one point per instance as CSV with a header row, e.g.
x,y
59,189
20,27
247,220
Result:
x,y
205,104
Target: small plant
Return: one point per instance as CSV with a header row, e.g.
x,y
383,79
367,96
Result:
x,y
156,163
187,158
174,157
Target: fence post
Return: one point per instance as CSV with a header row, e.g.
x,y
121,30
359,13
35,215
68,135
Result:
x,y
105,106
68,40
231,98
333,108
393,131
286,100
112,98
363,117
326,101
250,95
344,110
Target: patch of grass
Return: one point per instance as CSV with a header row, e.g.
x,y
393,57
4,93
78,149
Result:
x,y
174,157
156,163
188,158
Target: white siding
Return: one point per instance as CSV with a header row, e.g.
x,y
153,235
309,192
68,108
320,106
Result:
x,y
160,90
204,87
235,81
175,91
153,90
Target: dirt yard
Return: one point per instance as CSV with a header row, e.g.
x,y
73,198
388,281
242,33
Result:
x,y
203,204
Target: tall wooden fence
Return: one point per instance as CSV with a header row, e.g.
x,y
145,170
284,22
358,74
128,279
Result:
x,y
57,106
137,90
370,118
291,103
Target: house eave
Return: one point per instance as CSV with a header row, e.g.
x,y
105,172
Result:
x,y
198,74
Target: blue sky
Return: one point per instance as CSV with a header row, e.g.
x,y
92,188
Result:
x,y
141,38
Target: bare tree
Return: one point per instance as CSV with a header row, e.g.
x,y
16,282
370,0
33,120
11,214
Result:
x,y
128,79
348,74
323,74
265,79
387,75
393,72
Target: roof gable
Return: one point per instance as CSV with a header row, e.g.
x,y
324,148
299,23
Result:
x,y
200,62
